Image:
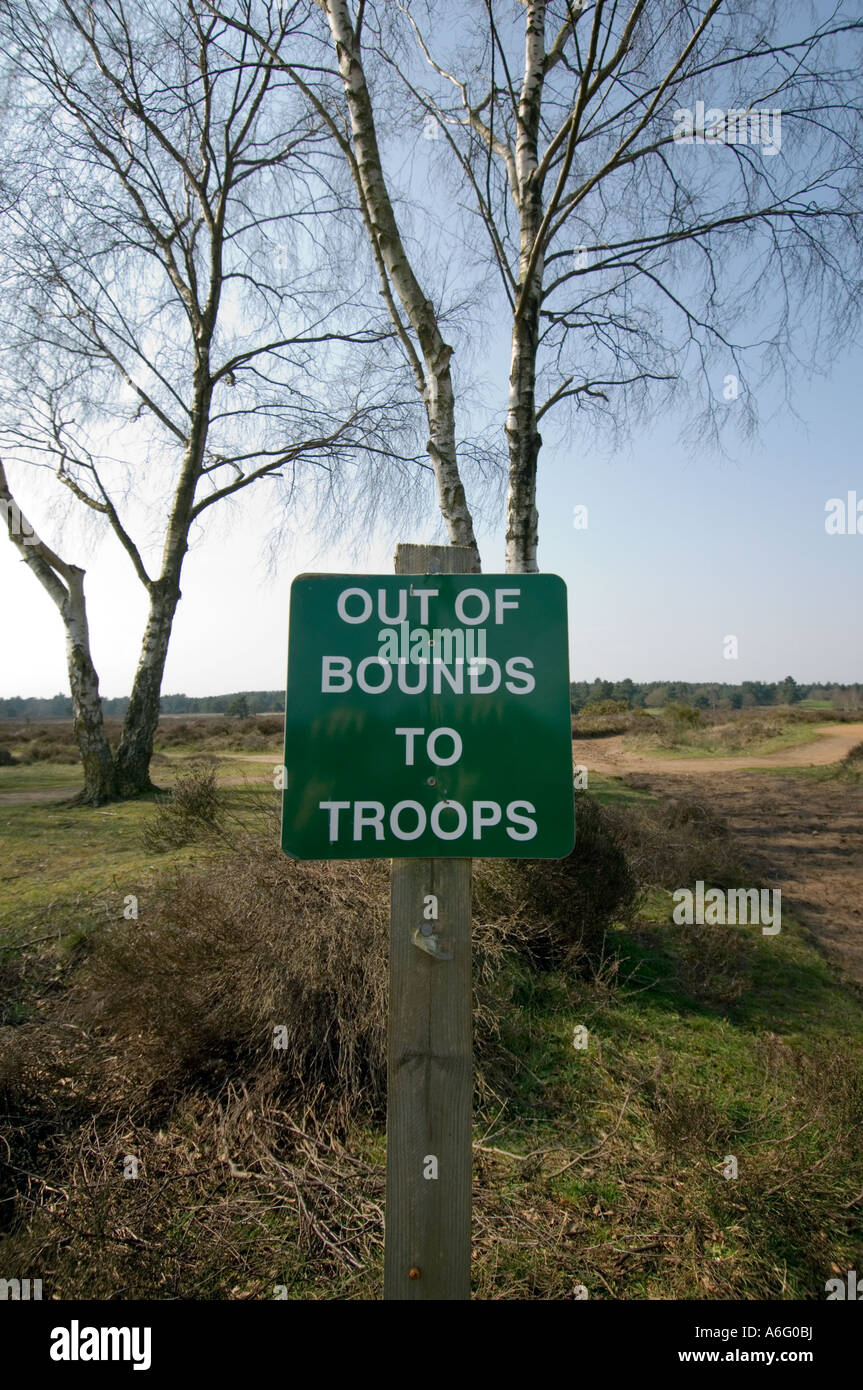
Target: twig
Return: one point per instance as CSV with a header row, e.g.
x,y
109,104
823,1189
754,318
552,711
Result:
x,y
589,1153
22,945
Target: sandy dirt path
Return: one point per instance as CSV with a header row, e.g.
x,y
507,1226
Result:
x,y
801,835
609,755
798,834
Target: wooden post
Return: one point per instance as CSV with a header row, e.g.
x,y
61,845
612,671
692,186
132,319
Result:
x,y
430,1054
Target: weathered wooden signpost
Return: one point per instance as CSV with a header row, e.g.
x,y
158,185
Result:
x,y
428,722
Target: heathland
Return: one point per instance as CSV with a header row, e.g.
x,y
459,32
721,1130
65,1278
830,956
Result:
x,y
192,1026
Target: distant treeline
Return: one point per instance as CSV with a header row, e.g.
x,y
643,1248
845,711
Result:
x,y
633,694
241,702
711,694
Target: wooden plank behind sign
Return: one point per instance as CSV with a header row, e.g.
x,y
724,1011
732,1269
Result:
x,y
430,1055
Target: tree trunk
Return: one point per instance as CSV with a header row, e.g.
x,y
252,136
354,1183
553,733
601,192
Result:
x,y
523,438
64,584
524,441
100,779
435,375
135,750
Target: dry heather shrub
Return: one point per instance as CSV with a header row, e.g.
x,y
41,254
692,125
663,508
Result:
x,y
41,1100
232,951
686,811
49,742
256,733
673,843
716,963
684,1117
179,731
192,992
191,812
235,1196
163,1048
50,749
825,1082
566,905
685,1121
12,987
585,725
681,726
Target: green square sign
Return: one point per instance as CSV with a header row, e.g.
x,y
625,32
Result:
x,y
428,716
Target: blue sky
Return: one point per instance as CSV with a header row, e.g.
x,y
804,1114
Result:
x,y
682,550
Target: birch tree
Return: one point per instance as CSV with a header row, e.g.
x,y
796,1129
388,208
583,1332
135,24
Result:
x,y
181,328
64,584
349,117
627,257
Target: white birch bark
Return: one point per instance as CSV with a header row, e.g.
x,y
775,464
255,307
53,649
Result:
x,y
523,438
65,585
135,749
437,388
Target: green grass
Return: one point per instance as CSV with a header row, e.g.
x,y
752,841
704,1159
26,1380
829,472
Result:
x,y
613,791
73,867
167,765
66,778
825,772
191,750
705,743
670,1085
